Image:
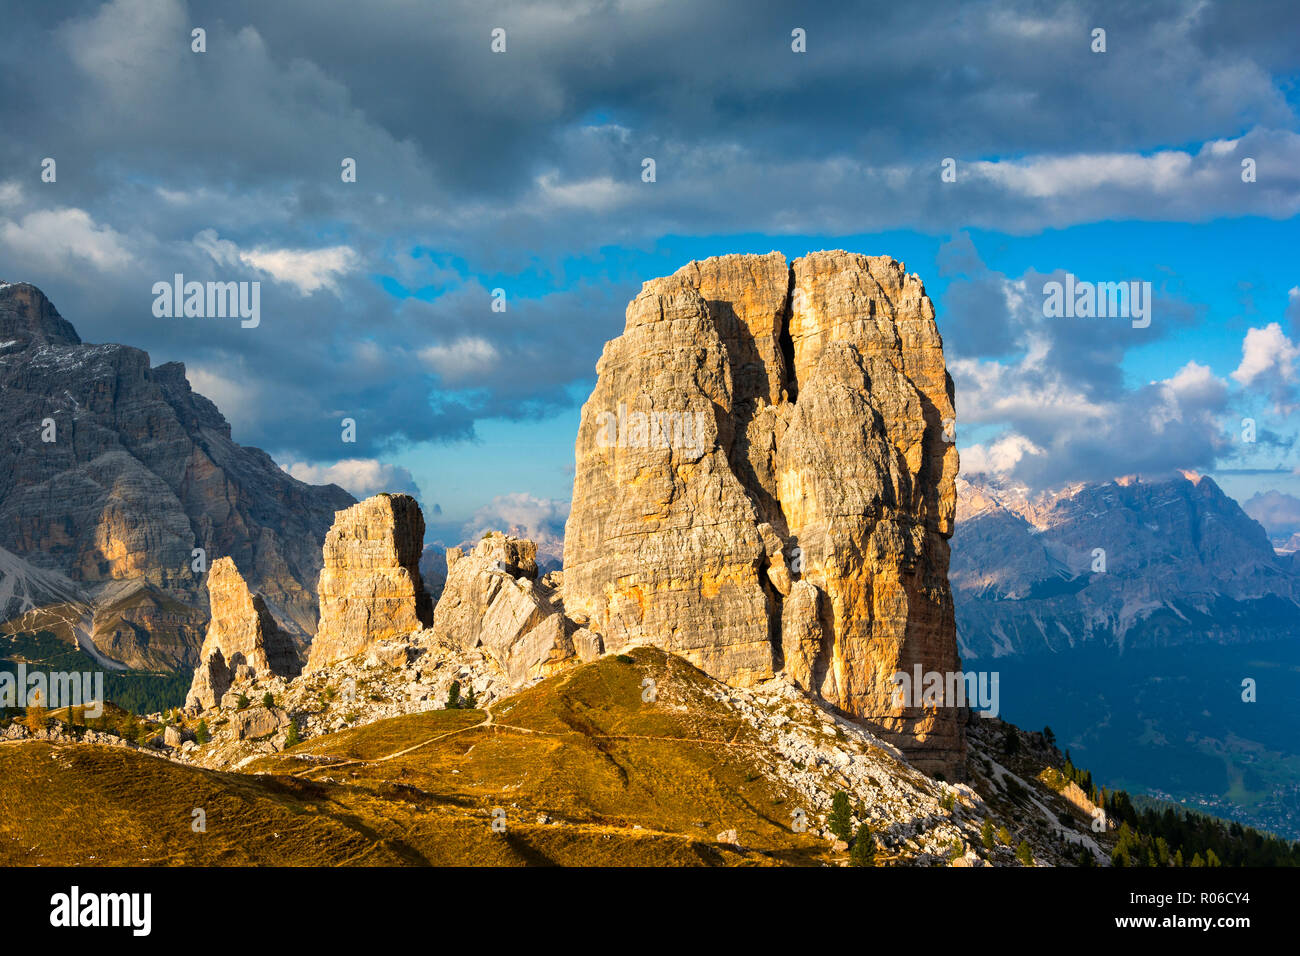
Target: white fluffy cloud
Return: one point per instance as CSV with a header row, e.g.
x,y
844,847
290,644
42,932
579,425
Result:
x,y
998,458
1269,364
534,517
1277,511
1264,352
63,239
362,477
307,270
461,359
240,401
1052,433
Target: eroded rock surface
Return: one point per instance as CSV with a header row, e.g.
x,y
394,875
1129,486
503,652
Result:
x,y
494,601
764,483
242,640
370,586
115,471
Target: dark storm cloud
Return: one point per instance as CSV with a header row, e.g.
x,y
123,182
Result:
x,y
225,165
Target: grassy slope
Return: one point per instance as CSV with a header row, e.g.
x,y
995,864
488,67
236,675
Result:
x,y
626,782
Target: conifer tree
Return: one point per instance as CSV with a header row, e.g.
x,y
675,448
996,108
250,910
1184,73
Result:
x,y
840,822
863,852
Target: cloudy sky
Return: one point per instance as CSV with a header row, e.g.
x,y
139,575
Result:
x,y
522,170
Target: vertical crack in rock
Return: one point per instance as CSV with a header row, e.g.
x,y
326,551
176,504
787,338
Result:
x,y
787,342
804,527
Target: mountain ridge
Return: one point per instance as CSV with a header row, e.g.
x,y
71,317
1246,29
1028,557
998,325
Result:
x,y
118,470
1181,561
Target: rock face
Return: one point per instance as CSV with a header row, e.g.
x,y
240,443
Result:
x,y
242,639
763,484
140,471
1183,564
493,601
370,586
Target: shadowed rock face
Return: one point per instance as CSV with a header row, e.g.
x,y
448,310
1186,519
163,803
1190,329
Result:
x,y
241,634
763,484
141,471
370,586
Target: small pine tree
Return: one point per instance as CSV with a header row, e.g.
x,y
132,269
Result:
x,y
863,852
201,732
986,833
1011,742
453,695
1024,854
1004,836
241,702
1212,858
840,821
268,700
291,735
1198,860
947,802
1049,736
470,700
1178,858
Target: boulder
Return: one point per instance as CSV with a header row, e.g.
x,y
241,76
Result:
x,y
175,737
254,723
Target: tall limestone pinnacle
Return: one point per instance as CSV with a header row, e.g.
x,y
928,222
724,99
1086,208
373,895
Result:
x,y
241,633
763,485
370,586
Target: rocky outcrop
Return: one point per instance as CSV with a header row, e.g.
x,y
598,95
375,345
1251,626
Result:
x,y
370,586
139,472
764,483
243,640
494,601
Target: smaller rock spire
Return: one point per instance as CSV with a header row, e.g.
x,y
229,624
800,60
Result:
x,y
242,638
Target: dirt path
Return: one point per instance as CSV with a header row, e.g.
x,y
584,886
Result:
x,y
490,720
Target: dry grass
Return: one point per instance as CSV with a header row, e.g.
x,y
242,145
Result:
x,y
622,781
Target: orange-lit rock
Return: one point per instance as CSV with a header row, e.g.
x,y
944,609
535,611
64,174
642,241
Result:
x,y
803,525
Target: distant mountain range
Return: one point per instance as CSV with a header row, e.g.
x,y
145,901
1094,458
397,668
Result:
x,y
1120,564
1140,668
113,472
